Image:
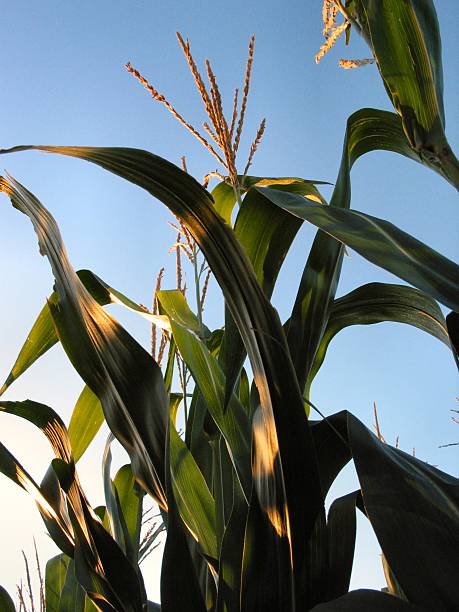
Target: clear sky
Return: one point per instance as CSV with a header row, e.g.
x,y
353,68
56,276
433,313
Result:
x,y
63,82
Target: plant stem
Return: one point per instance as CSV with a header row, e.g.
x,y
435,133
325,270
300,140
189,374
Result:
x,y
196,283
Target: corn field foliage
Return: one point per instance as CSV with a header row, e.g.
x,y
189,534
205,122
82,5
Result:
x,y
241,489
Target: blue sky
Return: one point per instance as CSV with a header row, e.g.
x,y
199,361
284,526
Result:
x,y
63,82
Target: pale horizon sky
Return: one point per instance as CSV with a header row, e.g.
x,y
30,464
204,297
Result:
x,y
64,82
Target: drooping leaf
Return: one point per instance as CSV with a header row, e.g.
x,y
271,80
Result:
x,y
54,520
414,510
284,443
382,243
42,337
101,567
121,373
380,302
405,39
367,130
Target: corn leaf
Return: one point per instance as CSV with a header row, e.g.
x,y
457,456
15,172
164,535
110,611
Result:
x,y
87,418
130,497
342,529
121,373
233,423
380,302
414,511
284,443
405,40
225,199
194,500
382,243
367,130
55,573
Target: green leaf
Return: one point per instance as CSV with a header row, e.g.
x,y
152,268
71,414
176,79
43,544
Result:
x,y
41,338
121,373
379,302
224,195
6,603
49,510
43,335
55,573
224,201
130,498
87,418
284,441
364,600
367,130
405,40
382,243
266,234
342,529
194,500
233,423
414,511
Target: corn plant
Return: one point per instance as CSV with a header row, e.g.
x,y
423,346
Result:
x,y
242,492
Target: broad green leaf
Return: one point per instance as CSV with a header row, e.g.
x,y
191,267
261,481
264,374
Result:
x,y
414,511
266,234
177,557
382,243
6,603
231,554
405,40
194,500
87,418
284,441
121,373
367,130
258,567
365,600
130,498
380,302
341,528
332,448
225,199
233,422
73,597
55,573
